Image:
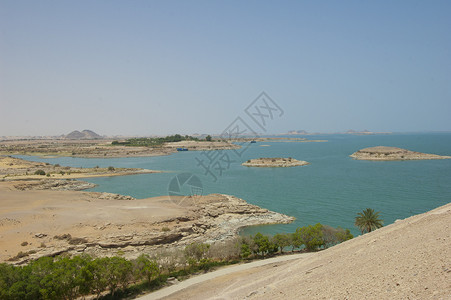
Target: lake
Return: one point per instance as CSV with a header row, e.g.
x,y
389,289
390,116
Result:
x,y
331,190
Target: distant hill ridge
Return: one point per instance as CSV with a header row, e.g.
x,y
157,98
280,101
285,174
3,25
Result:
x,y
84,135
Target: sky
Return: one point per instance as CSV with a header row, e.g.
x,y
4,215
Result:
x,y
164,67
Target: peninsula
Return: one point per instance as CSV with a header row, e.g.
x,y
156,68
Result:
x,y
101,224
12,168
274,162
392,153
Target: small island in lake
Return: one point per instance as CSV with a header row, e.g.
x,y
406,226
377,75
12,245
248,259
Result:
x,y
393,153
274,162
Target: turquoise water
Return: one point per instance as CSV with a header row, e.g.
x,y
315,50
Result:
x,y
331,190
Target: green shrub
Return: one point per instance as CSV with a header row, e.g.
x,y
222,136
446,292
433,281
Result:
x,y
311,236
281,241
39,172
145,267
264,245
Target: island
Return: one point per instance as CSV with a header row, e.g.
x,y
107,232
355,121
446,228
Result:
x,y
392,153
274,162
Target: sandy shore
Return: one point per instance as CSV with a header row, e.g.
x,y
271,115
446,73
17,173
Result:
x,y
410,259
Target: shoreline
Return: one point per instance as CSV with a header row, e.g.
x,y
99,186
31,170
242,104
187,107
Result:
x,y
365,267
101,224
81,175
103,148
12,168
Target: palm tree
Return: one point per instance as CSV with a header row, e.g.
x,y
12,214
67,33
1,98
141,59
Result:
x,y
368,220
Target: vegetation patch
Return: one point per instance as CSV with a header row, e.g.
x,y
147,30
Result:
x,y
115,277
154,142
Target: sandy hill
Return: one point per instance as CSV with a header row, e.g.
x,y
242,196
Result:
x,y
410,259
84,135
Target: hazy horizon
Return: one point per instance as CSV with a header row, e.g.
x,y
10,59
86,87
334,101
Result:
x,y
163,67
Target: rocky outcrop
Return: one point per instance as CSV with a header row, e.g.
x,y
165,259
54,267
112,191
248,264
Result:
x,y
19,169
392,153
274,162
51,184
111,196
206,219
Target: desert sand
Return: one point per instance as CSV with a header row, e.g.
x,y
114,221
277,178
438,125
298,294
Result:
x,y
393,153
40,223
410,259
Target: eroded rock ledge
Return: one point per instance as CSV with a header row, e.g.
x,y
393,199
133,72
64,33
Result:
x,y
212,218
274,162
54,184
393,153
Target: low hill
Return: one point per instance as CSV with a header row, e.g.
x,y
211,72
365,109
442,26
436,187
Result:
x,y
84,135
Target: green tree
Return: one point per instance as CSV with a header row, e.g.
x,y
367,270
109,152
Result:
x,y
146,267
368,220
312,236
263,244
281,240
95,273
245,251
296,240
118,272
208,138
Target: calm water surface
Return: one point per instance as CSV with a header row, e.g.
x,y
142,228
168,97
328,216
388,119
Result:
x,y
331,190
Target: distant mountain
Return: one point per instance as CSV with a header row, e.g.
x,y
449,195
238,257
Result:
x,y
84,135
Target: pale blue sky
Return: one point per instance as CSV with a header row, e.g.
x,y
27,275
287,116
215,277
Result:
x,y
160,67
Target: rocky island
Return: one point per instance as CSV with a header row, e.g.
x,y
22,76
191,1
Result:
x,y
274,162
392,153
